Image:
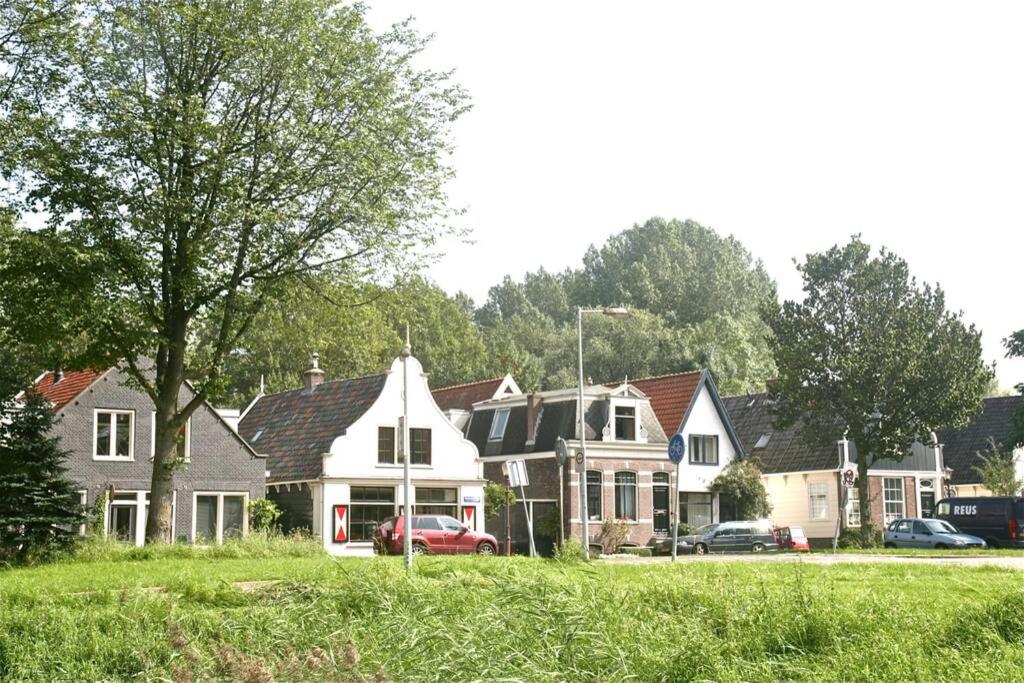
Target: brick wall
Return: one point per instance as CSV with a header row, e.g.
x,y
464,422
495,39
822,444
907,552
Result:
x,y
219,460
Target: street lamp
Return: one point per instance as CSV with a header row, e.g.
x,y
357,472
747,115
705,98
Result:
x,y
611,312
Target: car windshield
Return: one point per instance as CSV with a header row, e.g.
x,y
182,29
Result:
x,y
940,527
796,532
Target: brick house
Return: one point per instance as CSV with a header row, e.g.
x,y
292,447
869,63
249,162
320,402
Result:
x,y
804,479
333,455
629,476
107,428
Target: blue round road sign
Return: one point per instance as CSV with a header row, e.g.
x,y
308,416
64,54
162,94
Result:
x,y
676,449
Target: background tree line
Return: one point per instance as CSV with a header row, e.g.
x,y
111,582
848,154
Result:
x,y
695,300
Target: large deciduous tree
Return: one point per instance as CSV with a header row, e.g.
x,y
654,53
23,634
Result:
x,y
1015,349
871,353
195,157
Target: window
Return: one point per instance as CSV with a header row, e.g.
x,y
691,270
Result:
x,y
430,501
451,524
703,450
113,432
595,486
660,477
625,495
695,509
386,445
892,495
419,442
426,523
184,445
625,423
853,507
369,506
121,523
817,494
217,516
83,500
498,425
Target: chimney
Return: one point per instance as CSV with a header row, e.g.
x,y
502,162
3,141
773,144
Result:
x,y
58,375
314,376
533,402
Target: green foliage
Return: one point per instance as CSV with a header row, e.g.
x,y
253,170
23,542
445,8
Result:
x,y
998,471
496,498
549,525
263,515
871,353
1015,349
569,551
194,160
40,510
325,619
613,533
742,481
865,538
1015,345
255,545
695,300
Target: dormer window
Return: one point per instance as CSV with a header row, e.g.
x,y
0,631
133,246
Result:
x,y
625,423
498,424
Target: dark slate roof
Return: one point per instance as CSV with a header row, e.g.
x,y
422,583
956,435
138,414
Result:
x,y
463,396
556,419
294,428
961,446
785,451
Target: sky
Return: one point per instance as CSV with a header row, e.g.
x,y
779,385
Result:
x,y
789,127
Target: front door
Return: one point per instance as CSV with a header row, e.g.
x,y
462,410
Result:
x,y
662,523
927,504
122,522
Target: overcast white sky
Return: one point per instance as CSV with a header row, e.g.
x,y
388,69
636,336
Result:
x,y
789,127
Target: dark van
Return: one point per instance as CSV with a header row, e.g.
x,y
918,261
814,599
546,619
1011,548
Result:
x,y
997,519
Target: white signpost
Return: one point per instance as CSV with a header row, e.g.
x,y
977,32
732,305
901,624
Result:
x,y
517,477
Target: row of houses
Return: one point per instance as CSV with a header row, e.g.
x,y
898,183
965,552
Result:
x,y
328,454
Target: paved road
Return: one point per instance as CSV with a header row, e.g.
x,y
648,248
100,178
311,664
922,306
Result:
x,y
1005,561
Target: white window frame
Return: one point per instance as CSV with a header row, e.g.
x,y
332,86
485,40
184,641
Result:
x,y
220,511
703,450
817,491
853,507
152,437
498,424
113,434
83,500
636,495
886,517
615,421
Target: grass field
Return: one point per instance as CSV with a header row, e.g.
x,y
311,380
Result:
x,y
455,619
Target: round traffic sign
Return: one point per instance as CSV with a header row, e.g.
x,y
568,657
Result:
x,y
676,449
579,457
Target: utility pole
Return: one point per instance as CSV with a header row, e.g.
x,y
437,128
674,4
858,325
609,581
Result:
x,y
406,476
508,520
584,513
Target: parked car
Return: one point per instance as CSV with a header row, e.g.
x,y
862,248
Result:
x,y
792,538
663,546
999,520
725,537
916,532
435,534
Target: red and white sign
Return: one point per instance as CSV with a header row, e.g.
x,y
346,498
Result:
x,y
341,523
467,516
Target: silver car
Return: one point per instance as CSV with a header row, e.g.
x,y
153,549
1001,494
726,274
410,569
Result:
x,y
914,532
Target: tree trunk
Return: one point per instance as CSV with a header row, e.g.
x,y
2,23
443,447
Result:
x,y
865,501
161,492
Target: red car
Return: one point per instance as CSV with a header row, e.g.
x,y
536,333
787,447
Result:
x,y
792,538
434,534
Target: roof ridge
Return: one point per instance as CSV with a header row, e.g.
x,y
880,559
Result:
x,y
468,384
670,374
329,381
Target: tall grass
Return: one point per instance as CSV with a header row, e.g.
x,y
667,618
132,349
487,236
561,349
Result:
x,y
456,619
253,546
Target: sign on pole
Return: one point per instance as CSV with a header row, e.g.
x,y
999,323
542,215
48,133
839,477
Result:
x,y
676,451
579,461
561,451
517,473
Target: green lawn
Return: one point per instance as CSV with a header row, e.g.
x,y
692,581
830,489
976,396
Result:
x,y
455,619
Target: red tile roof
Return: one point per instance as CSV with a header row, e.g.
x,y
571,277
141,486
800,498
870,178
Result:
x,y
463,396
70,386
670,396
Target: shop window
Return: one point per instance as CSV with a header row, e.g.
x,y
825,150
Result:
x,y
695,509
436,501
369,506
625,495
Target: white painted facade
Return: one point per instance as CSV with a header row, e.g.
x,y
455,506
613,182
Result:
x,y
704,420
352,460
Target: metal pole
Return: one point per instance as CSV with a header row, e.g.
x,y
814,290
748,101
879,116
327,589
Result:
x,y
675,518
529,520
508,521
561,510
584,514
406,477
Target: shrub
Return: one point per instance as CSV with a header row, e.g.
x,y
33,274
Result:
x,y
570,551
613,533
256,545
263,514
742,482
854,538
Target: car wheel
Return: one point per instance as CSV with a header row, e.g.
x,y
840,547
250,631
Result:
x,y
486,548
700,549
757,548
419,549
890,545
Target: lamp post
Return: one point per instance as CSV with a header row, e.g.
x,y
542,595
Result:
x,y
612,312
406,476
